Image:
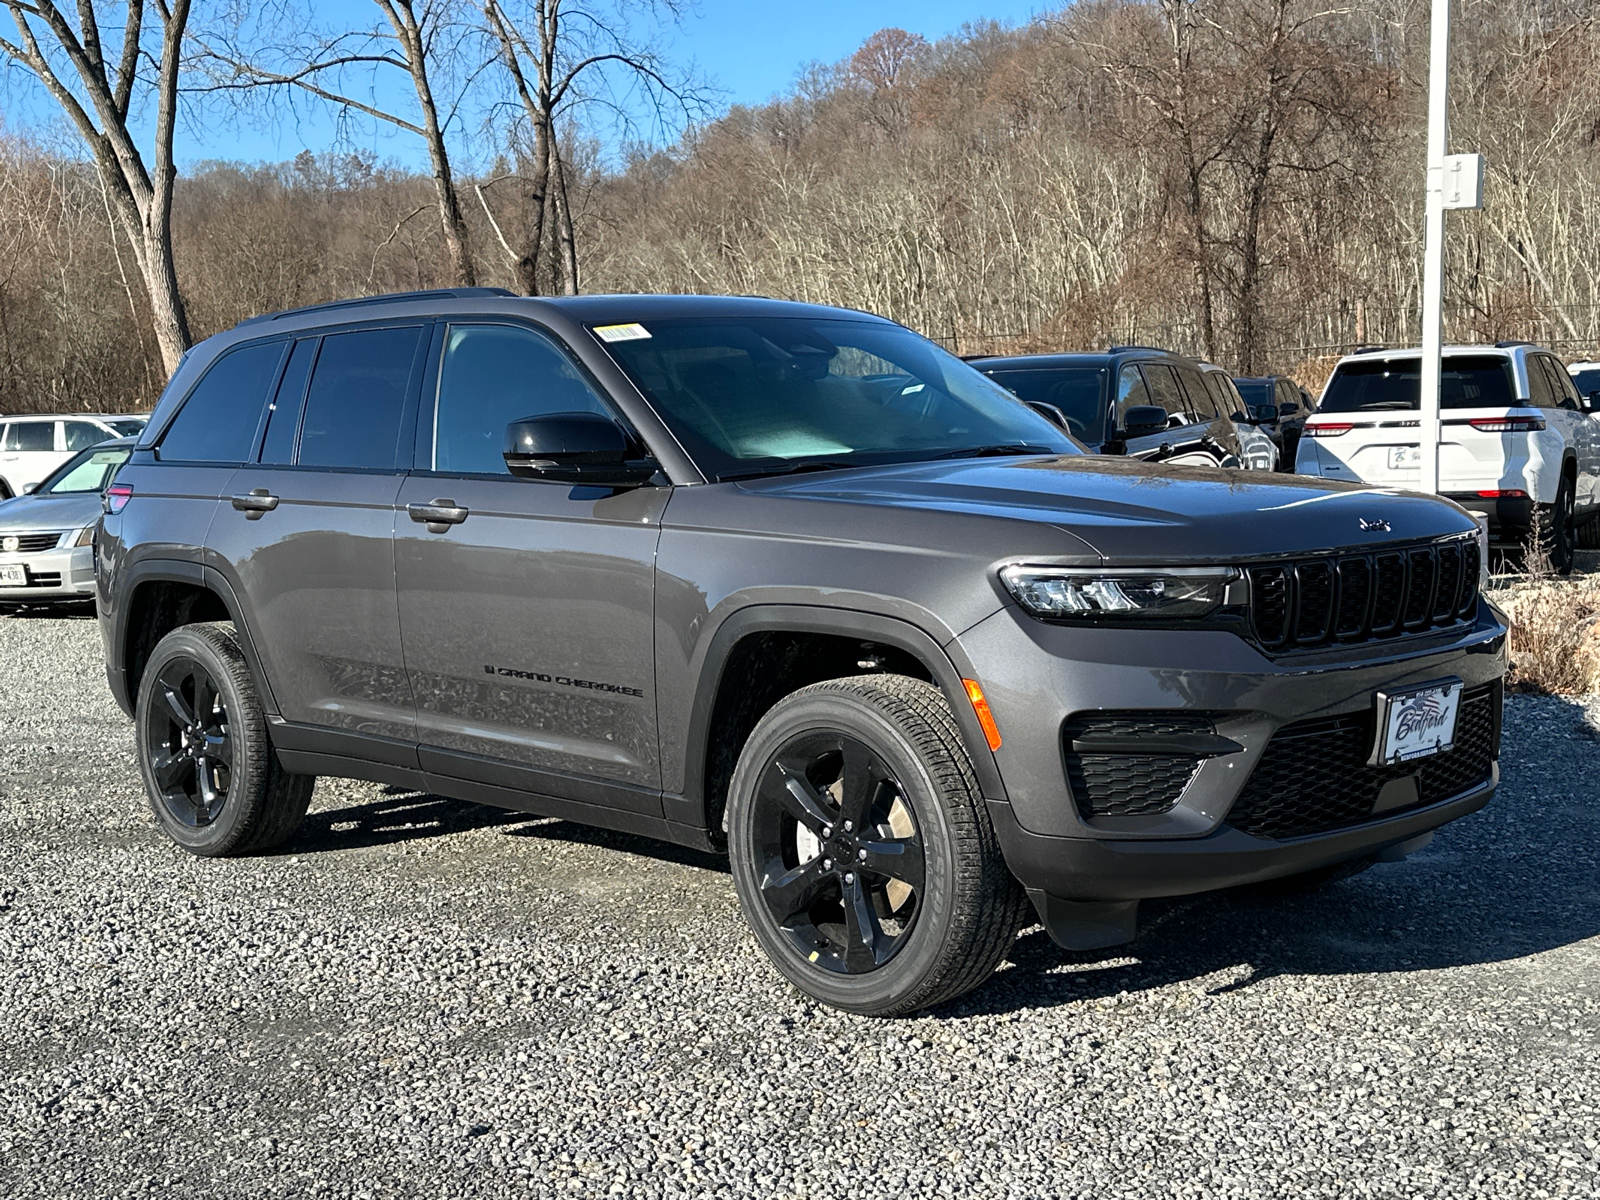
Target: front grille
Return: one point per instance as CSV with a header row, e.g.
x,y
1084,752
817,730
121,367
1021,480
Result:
x,y
32,543
1348,598
1131,783
1313,776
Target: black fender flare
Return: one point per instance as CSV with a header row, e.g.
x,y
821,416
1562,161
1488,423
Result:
x,y
173,570
947,672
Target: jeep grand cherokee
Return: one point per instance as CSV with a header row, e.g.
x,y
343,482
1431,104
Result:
x,y
789,581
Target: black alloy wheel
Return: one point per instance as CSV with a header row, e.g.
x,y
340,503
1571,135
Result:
x,y
1562,531
842,872
187,743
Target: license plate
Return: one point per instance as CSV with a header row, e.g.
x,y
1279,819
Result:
x,y
13,575
1417,722
1404,458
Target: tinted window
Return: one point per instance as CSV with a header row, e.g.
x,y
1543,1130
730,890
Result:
x,y
126,426
283,416
491,376
357,398
31,435
1539,393
1201,402
1256,392
1228,398
1469,381
217,423
81,435
89,472
1164,391
1131,391
1558,379
1587,380
1079,392
750,395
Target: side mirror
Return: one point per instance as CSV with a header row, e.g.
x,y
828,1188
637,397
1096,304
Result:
x,y
1287,408
1591,402
1144,420
1262,413
575,447
1050,413
29,489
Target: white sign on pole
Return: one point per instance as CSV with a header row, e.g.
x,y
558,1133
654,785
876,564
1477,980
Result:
x,y
1463,181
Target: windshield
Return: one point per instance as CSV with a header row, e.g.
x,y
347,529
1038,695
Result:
x,y
1257,393
1586,380
1468,381
759,395
126,426
90,471
1079,392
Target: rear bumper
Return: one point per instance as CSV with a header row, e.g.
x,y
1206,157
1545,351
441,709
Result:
x,y
1511,518
65,574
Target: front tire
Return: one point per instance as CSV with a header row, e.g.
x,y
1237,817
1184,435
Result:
x,y
214,783
862,852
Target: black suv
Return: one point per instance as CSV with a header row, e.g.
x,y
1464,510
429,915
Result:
x,y
1134,400
787,580
1279,407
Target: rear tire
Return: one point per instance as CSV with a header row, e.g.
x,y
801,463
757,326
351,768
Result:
x,y
862,851
214,782
1556,525
1587,535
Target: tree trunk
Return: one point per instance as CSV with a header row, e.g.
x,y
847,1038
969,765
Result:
x,y
568,245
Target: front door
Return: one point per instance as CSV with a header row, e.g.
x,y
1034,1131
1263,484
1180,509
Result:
x,y
527,615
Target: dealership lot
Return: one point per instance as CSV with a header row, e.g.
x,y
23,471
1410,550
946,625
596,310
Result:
x,y
426,997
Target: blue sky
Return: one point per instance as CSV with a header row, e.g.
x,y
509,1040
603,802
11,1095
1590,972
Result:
x,y
752,51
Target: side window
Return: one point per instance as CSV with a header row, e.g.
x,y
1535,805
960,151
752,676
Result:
x,y
492,375
1131,391
1228,397
1539,393
1164,391
1201,403
31,435
1560,381
81,435
358,398
218,420
283,414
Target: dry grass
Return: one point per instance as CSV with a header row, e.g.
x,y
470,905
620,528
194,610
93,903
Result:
x,y
1555,636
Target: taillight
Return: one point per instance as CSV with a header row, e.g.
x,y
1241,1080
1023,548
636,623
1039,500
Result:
x,y
1327,429
1507,424
116,498
1506,494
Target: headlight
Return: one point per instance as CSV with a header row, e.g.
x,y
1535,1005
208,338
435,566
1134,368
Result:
x,y
1161,592
86,537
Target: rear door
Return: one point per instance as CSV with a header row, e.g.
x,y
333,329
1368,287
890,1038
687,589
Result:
x,y
307,532
1187,439
528,622
1582,433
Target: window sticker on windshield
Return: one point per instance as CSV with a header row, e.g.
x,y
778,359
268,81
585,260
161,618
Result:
x,y
621,333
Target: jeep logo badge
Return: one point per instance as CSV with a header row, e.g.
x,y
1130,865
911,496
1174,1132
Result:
x,y
1374,525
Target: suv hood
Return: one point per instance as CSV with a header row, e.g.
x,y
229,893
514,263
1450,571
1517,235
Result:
x,y
1131,511
71,511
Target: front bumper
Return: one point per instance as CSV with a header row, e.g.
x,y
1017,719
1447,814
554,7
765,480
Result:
x,y
1035,676
63,574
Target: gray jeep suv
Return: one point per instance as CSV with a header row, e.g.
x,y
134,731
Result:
x,y
785,580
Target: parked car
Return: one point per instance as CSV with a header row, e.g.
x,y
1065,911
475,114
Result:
x,y
1279,407
34,445
1586,378
47,537
1261,453
790,581
126,424
1132,400
1516,444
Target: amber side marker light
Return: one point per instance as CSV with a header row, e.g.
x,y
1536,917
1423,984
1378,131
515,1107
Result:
x,y
991,731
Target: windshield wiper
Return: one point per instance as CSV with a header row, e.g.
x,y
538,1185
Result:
x,y
997,451
791,469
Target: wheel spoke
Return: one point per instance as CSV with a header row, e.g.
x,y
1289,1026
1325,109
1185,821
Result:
x,y
898,858
219,747
171,769
790,892
205,697
206,775
863,934
802,801
175,702
862,782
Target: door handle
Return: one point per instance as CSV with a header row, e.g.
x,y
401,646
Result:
x,y
253,503
438,515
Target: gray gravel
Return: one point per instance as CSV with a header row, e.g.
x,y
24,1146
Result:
x,y
429,998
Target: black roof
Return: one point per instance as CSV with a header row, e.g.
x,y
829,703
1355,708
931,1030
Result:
x,y
1088,358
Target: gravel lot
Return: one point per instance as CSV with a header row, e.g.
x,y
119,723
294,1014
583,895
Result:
x,y
429,998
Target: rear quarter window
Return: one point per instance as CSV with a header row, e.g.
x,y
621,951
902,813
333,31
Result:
x,y
218,420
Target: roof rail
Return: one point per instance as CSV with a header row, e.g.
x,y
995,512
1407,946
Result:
x,y
1120,349
1508,343
1368,349
460,293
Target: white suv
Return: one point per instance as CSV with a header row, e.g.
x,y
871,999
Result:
x,y
1517,442
32,446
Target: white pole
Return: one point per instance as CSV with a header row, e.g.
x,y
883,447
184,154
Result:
x,y
1433,255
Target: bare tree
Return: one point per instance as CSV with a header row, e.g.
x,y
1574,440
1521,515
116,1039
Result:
x,y
96,90
423,40
551,51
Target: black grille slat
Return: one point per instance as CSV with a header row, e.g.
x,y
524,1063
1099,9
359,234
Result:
x,y
1314,601
1355,596
1313,776
1352,597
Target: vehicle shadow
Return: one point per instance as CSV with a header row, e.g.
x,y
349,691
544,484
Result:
x,y
1516,879
66,610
